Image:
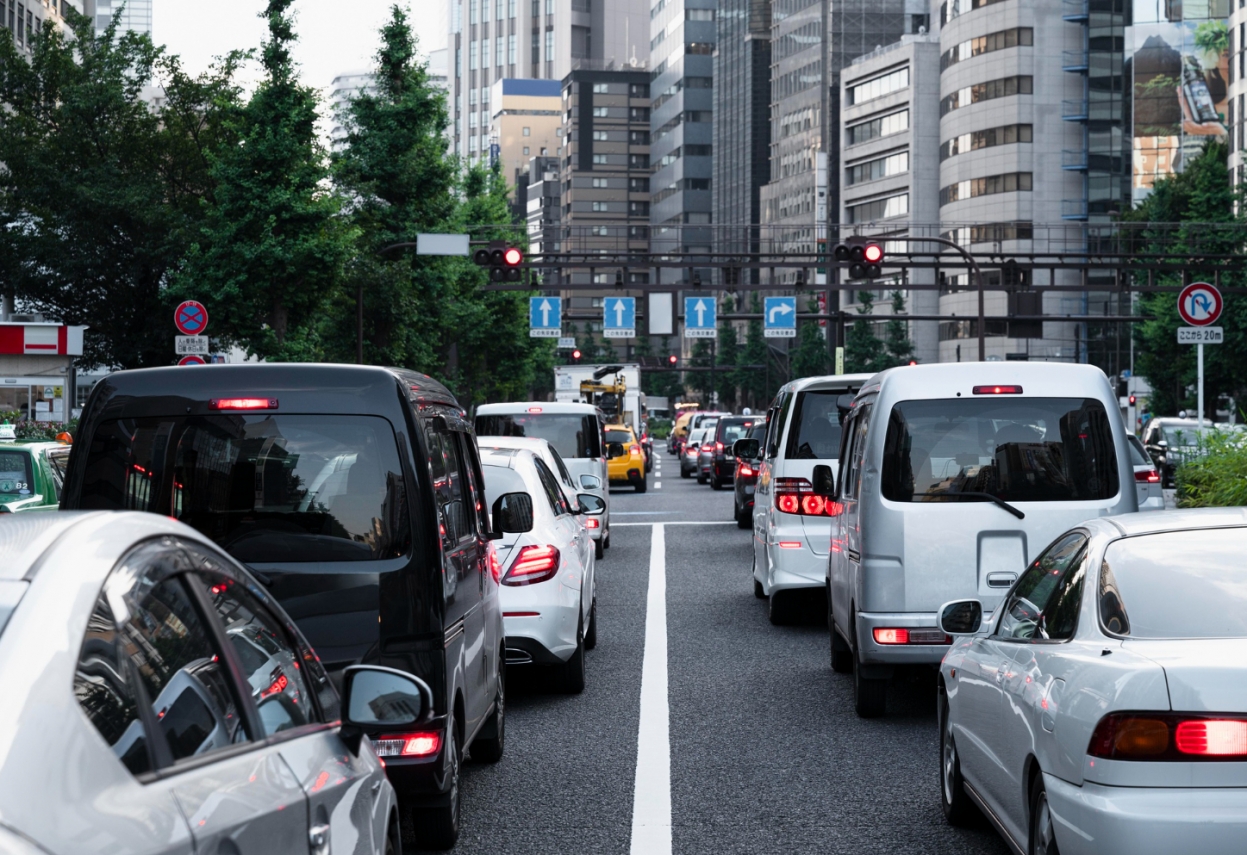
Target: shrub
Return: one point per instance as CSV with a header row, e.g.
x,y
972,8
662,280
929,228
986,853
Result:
x,y
29,429
1217,476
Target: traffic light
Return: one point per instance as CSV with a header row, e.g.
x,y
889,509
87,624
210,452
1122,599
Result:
x,y
503,261
673,360
1133,400
576,356
863,255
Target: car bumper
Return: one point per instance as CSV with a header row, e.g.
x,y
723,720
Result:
x,y
794,567
630,477
1153,503
1097,820
875,653
541,629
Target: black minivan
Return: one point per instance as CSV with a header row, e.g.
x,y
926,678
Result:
x,y
356,495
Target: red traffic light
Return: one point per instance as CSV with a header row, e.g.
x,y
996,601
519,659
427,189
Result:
x,y
512,256
873,253
673,359
575,354
1133,400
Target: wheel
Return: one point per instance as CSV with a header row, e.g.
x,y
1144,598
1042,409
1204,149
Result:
x,y
640,485
781,608
684,473
599,549
393,838
743,518
716,484
591,634
1043,830
841,652
437,827
574,669
606,539
870,695
757,590
487,747
701,479
958,808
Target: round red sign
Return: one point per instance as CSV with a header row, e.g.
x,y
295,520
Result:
x,y
1199,304
191,318
191,359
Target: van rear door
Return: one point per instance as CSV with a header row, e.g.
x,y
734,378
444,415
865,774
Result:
x,y
813,439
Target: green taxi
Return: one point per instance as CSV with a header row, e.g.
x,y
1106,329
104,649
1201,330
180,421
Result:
x,y
32,472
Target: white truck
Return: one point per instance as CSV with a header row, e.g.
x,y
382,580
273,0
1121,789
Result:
x,y
568,380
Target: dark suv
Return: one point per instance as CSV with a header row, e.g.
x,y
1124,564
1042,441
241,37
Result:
x,y
747,477
356,496
722,461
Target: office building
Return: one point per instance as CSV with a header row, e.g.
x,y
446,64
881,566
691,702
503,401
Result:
x,y
530,39
889,168
526,121
343,88
543,204
1237,68
25,18
135,15
742,122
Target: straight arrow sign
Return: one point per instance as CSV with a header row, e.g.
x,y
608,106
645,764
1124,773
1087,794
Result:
x,y
699,318
619,317
545,317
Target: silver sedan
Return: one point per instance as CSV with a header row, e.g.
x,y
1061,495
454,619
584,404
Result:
x,y
1103,707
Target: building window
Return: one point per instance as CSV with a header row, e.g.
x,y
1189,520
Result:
x,y
881,167
526,151
880,86
527,132
1004,135
510,8
1008,183
699,14
485,51
600,207
638,90
599,159
472,48
511,49
549,43
600,112
1001,88
600,231
1018,36
879,209
883,126
600,88
600,136
472,11
501,51
600,183
699,48
581,43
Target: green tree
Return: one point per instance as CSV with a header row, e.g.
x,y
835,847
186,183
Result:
x,y
100,192
753,381
663,384
273,247
727,351
702,356
896,342
864,352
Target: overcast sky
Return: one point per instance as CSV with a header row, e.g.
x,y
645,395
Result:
x,y
334,35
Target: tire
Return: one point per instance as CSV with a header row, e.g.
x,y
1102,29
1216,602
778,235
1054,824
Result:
x,y
487,748
757,590
781,608
591,634
437,827
701,479
640,485
606,539
393,839
743,519
684,473
870,696
841,652
716,484
958,809
599,549
1042,828
573,670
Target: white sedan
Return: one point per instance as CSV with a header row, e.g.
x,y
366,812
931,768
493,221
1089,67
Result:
x,y
1103,707
545,564
158,701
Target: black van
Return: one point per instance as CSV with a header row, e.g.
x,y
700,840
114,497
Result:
x,y
355,493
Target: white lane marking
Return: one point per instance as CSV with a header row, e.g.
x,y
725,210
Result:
x,y
657,485
674,522
651,799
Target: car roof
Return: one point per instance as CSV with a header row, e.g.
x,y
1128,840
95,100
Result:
x,y
25,537
825,381
502,457
949,379
1176,422
515,407
534,444
1179,520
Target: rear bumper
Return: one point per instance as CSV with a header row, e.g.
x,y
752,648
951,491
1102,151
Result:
x,y
1097,820
897,654
548,638
798,567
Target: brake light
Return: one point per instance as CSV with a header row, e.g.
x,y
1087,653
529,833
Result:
x,y
533,564
408,744
892,636
242,404
718,446
997,390
593,523
1148,476
902,635
276,687
1168,736
790,544
495,563
534,409
796,496
745,470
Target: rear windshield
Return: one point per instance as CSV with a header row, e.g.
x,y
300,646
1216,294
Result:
x,y
573,434
1016,449
728,432
1177,584
265,488
815,433
15,476
1138,456
618,436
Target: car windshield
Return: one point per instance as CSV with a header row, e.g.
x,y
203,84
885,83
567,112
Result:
x,y
1176,584
1185,436
1016,449
572,434
286,488
15,476
731,431
816,426
618,436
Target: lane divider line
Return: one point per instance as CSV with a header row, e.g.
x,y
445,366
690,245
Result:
x,y
674,522
651,799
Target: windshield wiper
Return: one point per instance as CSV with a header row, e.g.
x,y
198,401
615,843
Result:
x,y
996,500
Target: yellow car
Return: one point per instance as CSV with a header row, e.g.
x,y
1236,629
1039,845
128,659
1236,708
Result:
x,y
625,461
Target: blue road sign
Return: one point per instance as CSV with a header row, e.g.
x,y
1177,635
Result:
x,y
700,317
545,317
619,317
781,317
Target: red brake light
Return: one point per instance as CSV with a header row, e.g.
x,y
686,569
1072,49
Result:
x,y
997,390
788,503
790,544
1168,736
534,409
408,744
1147,476
593,522
276,687
495,564
533,564
892,636
242,404
796,496
745,470
718,446
1212,738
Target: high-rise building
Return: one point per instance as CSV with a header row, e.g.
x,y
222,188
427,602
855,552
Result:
x,y
136,15
530,39
343,88
526,121
25,18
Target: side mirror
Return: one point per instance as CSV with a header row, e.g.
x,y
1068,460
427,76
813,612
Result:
x,y
590,482
513,514
746,449
376,698
591,504
615,449
1163,443
824,481
961,617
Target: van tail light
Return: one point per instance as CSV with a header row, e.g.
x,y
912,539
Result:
x,y
533,564
718,447
1169,736
242,404
1147,476
997,390
910,635
593,522
408,744
796,496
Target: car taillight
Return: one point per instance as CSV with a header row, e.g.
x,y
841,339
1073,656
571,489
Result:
x,y
593,523
534,409
242,404
495,564
745,470
997,390
533,564
408,744
1147,476
634,451
718,446
1168,736
902,635
796,496
892,636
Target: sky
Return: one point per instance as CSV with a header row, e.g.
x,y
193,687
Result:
x,y
335,36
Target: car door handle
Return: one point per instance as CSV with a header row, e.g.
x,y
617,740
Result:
x,y
318,839
1000,580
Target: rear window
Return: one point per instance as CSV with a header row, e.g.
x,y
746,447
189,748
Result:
x,y
1017,449
618,436
729,431
572,434
15,476
1176,584
816,426
288,488
1138,455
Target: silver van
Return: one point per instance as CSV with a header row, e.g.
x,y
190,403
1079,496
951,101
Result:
x,y
951,479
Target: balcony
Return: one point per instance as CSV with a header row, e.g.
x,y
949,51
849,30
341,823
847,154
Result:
x,y
1074,209
1074,110
1074,60
1076,11
1074,159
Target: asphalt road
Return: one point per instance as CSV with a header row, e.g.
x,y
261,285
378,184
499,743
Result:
x,y
765,752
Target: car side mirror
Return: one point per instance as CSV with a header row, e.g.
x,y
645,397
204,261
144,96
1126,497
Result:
x,y
615,449
746,449
961,617
377,698
590,482
824,481
591,504
512,514
1163,443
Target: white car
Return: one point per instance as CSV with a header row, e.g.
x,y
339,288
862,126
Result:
x,y
1146,479
688,456
128,708
1103,708
545,564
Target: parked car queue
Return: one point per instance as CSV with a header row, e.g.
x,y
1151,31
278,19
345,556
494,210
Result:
x,y
350,511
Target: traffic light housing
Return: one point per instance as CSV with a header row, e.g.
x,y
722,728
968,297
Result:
x,y
863,255
576,356
503,261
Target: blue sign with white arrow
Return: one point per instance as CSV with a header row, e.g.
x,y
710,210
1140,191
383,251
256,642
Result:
x,y
700,317
545,317
780,317
619,317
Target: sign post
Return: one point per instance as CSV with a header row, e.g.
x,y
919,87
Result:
x,y
1200,305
